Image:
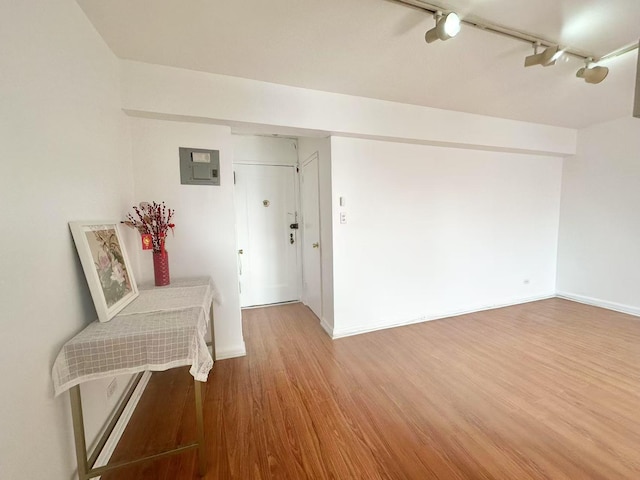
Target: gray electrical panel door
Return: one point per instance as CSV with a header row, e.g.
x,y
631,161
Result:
x,y
199,166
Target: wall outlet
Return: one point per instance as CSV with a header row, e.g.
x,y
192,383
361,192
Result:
x,y
111,388
343,217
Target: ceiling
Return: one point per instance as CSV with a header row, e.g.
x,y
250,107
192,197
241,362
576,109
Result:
x,y
376,48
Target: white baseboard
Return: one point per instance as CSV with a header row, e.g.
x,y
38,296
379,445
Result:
x,y
339,333
326,327
122,423
232,352
597,302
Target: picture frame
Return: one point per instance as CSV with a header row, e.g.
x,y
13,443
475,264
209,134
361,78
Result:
x,y
106,266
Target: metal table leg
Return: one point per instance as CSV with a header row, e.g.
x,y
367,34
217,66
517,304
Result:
x,y
213,334
78,433
86,469
202,459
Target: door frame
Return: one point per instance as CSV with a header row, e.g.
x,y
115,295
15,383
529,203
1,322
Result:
x,y
298,214
314,156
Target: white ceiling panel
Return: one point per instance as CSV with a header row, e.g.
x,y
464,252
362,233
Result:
x,y
376,48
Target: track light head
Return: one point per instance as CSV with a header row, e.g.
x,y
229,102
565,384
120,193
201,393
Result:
x,y
592,74
546,58
447,26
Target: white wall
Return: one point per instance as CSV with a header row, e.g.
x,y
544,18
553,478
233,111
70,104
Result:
x,y
599,249
65,156
205,237
436,231
306,148
262,149
154,89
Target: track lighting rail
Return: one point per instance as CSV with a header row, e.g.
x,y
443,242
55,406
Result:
x,y
515,34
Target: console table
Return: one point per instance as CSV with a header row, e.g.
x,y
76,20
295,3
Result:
x,y
163,328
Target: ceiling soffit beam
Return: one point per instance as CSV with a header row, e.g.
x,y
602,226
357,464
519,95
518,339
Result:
x,y
515,34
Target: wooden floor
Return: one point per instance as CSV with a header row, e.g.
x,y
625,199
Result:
x,y
545,390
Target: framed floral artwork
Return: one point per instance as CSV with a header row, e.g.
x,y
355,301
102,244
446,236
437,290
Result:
x,y
106,266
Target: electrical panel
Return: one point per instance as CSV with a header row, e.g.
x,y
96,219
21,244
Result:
x,y
199,166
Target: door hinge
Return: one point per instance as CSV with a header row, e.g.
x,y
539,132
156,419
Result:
x,y
297,170
240,287
234,178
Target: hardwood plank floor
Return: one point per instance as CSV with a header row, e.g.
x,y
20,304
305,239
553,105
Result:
x,y
544,390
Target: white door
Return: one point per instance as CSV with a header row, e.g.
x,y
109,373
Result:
x,y
267,246
311,272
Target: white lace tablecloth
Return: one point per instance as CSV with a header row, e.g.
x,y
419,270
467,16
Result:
x,y
164,327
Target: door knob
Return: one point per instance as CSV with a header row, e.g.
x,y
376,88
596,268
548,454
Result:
x,y
241,251
315,245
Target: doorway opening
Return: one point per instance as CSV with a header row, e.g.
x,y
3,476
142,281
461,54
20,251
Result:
x,y
277,203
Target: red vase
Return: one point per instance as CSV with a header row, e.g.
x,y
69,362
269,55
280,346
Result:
x,y
161,268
